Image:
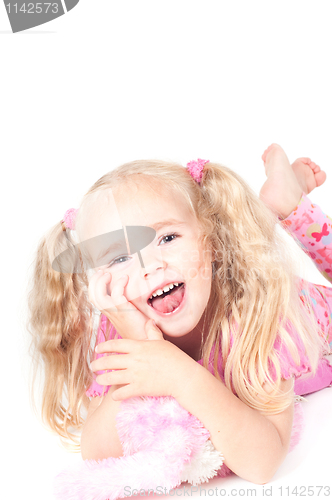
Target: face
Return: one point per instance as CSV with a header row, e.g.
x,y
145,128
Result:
x,y
172,255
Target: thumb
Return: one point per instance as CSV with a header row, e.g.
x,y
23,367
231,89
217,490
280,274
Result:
x,y
152,331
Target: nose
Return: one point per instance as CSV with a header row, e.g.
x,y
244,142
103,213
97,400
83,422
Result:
x,y
151,268
151,261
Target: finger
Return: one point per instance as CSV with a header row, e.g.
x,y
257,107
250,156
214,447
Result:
x,y
111,362
102,297
98,288
92,285
116,345
152,331
108,281
118,296
116,377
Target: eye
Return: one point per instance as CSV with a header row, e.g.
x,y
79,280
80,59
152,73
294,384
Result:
x,y
117,261
175,235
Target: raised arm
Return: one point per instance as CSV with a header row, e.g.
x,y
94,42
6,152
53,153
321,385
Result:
x,y
312,229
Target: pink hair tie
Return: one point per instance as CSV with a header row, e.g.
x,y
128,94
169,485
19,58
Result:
x,y
69,219
195,168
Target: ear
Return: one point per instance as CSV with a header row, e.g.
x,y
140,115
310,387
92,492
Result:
x,y
152,331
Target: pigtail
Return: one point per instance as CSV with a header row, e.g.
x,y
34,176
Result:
x,y
60,323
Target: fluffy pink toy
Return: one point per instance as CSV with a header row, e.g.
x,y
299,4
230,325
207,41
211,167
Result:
x,y
163,446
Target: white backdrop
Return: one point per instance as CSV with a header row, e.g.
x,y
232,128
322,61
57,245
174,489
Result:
x,y
113,81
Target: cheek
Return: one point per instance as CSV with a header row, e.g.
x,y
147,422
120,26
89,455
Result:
x,y
133,290
199,270
206,274
189,262
193,273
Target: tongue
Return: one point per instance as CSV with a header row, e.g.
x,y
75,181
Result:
x,y
170,302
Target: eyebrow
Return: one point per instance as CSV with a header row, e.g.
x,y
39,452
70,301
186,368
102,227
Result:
x,y
120,245
169,222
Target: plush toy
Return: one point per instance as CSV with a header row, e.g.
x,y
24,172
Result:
x,y
163,446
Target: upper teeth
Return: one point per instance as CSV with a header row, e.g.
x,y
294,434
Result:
x,y
165,289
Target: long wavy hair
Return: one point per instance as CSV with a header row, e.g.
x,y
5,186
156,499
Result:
x,y
253,296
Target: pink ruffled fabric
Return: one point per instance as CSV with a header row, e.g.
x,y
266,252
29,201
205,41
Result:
x,y
96,389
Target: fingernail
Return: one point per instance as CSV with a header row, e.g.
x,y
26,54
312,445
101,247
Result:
x,y
154,323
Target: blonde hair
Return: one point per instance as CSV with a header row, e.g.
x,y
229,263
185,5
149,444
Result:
x,y
253,295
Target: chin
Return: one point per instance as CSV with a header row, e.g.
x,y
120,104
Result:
x,y
177,329
174,334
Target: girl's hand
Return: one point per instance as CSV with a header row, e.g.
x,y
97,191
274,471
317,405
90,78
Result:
x,y
151,367
128,321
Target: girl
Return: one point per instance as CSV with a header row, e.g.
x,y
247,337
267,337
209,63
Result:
x,y
237,334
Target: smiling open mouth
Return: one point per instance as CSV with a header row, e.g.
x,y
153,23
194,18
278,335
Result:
x,y
168,301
